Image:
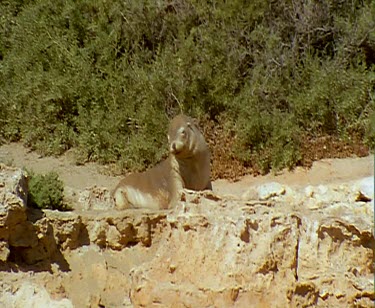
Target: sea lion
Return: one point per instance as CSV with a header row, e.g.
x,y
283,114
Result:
x,y
187,166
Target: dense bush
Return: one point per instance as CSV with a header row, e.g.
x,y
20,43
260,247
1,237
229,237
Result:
x,y
46,191
104,76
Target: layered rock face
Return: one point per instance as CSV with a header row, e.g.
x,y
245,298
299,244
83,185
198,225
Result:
x,y
230,253
274,246
14,230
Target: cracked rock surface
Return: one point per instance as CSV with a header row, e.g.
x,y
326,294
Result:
x,y
272,246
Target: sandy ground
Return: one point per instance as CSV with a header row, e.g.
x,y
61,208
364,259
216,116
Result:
x,y
326,171
79,177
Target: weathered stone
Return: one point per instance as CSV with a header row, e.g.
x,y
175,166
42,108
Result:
x,y
95,198
114,238
305,247
31,295
23,235
266,191
269,190
250,194
365,189
13,195
67,228
272,257
13,198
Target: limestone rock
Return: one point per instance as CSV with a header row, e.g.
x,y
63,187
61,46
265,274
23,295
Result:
x,y
365,190
250,194
67,228
95,198
305,247
31,295
269,190
269,256
13,198
264,192
325,194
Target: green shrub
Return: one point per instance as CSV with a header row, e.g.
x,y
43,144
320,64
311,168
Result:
x,y
104,77
46,191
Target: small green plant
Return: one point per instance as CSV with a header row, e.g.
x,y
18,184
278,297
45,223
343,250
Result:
x,y
46,191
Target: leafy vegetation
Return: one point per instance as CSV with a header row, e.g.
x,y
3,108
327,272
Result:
x,y
104,76
46,191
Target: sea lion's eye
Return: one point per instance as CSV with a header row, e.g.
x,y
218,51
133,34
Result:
x,y
190,125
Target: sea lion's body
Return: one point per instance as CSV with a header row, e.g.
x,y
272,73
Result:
x,y
188,166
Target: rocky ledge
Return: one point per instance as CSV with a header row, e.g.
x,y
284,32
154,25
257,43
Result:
x,y
275,246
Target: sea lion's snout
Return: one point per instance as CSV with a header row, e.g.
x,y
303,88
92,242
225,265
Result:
x,y
178,141
176,147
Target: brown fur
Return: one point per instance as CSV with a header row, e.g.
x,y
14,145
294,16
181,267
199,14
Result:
x,y
188,166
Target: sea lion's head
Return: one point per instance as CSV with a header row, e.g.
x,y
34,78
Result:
x,y
182,136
